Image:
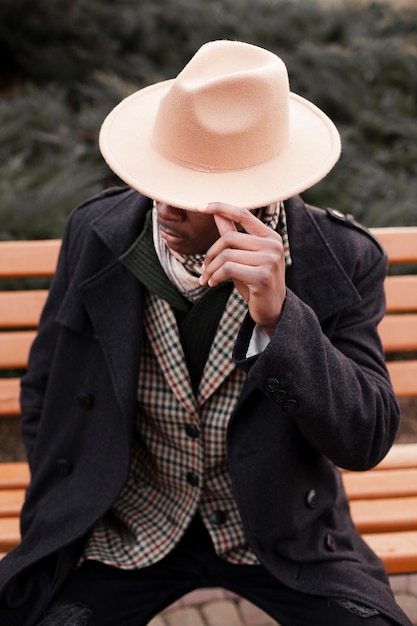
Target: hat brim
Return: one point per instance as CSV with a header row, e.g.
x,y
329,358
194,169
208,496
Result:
x,y
126,145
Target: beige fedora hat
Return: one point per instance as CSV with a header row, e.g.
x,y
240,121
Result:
x,y
226,129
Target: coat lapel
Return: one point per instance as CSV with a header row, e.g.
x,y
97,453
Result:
x,y
118,328
111,296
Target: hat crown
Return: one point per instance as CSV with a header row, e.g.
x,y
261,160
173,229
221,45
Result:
x,y
227,110
227,129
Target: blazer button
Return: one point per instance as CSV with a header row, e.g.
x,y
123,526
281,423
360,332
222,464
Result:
x,y
272,385
311,499
330,542
85,400
192,479
289,406
63,467
192,431
218,517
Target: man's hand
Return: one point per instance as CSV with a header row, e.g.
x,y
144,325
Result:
x,y
253,259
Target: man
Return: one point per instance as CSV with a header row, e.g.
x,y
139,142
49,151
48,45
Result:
x,y
207,357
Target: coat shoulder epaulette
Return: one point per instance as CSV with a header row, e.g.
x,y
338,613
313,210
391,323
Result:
x,y
349,221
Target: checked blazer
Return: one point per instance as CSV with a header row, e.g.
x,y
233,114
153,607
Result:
x,y
179,460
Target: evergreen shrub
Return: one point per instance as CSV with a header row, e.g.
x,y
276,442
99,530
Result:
x,y
66,63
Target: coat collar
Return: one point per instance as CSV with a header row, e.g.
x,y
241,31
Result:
x,y
122,220
315,269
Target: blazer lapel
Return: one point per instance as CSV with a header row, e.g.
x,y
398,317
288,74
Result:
x,y
162,330
164,335
220,363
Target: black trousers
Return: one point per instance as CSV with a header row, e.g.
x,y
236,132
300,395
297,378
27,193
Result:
x,y
100,595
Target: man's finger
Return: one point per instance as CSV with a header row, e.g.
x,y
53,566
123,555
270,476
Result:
x,y
249,222
223,224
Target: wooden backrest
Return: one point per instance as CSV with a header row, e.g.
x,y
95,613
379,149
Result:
x,y
20,309
398,329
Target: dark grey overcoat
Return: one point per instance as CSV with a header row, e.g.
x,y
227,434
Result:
x,y
318,397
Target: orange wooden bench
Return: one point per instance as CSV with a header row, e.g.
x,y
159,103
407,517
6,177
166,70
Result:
x,y
383,500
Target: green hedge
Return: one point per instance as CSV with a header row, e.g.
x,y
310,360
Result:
x,y
66,63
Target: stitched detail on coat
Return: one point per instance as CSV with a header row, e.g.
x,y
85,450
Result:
x,y
356,609
66,614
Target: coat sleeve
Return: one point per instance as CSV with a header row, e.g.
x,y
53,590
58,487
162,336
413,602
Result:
x,y
336,388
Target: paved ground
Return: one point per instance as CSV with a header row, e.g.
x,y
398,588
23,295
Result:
x,y
216,607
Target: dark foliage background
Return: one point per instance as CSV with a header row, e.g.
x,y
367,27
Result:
x,y
65,64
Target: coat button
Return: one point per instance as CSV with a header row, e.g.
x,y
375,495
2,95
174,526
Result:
x,y
192,431
311,499
218,517
192,479
338,215
63,467
281,396
330,542
272,385
289,405
85,400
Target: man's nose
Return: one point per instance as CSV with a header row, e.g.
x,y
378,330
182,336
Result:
x,y
168,212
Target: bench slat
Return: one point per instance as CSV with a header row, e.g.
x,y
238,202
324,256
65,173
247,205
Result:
x,y
14,475
14,348
403,377
401,293
9,396
398,550
9,533
28,258
21,309
11,502
400,242
399,332
38,258
385,515
381,484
